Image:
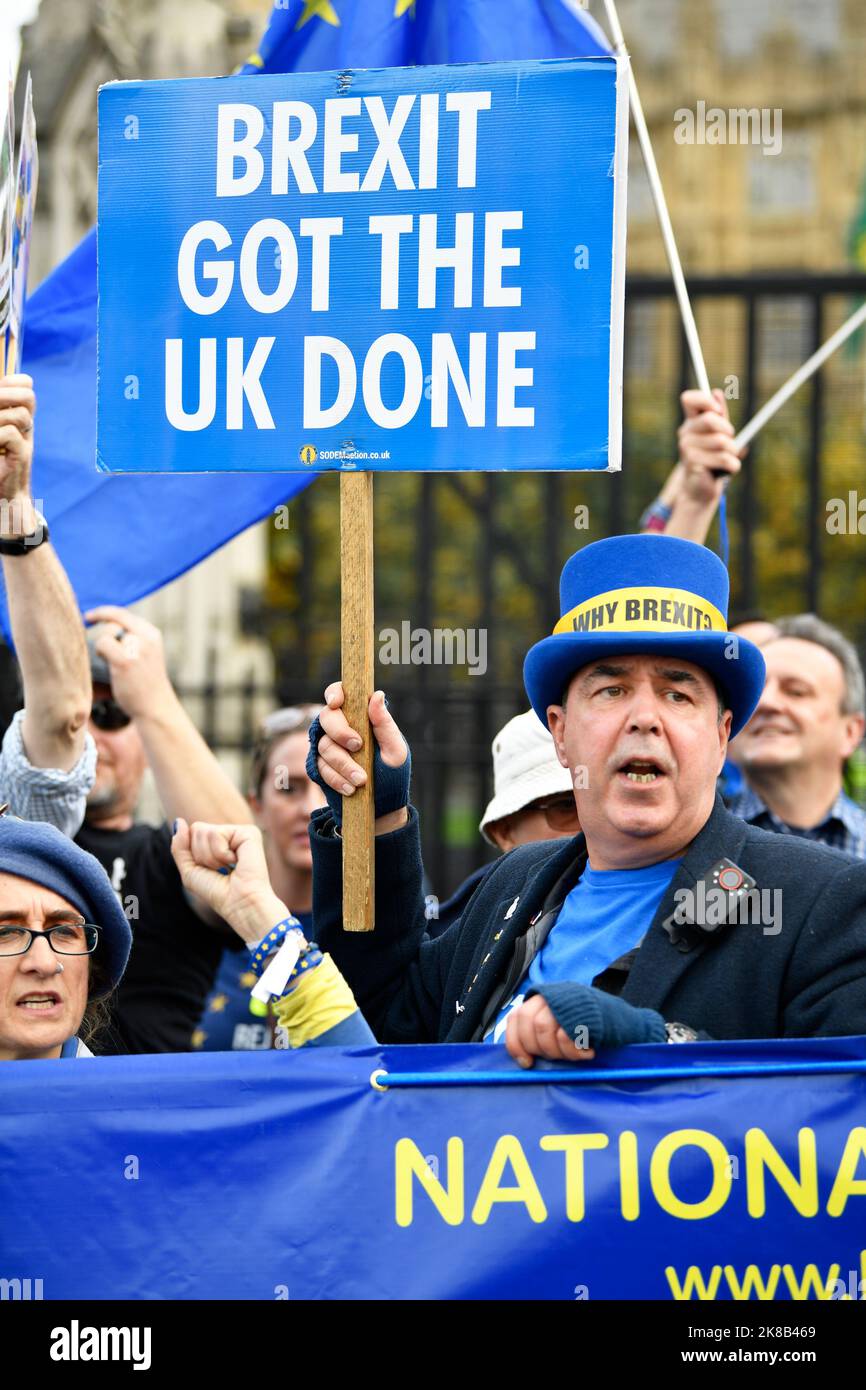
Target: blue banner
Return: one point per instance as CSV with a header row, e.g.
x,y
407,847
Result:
x,y
386,269
706,1171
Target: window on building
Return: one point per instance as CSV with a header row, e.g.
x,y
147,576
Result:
x,y
784,182
652,28
743,26
784,334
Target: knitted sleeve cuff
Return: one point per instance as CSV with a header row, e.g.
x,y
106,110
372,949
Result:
x,y
592,1018
390,784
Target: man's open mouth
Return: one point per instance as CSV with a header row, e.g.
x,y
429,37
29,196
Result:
x,y
642,770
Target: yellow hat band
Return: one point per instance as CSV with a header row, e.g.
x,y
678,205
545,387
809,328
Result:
x,y
643,610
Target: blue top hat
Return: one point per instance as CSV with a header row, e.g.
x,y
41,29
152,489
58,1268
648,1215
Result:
x,y
645,594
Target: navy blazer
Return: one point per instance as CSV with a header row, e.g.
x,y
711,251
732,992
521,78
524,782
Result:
x,y
808,979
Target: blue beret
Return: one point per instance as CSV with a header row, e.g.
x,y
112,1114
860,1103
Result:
x,y
40,853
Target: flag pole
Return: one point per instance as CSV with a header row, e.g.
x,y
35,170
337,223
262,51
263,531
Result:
x,y
661,207
690,327
801,375
358,672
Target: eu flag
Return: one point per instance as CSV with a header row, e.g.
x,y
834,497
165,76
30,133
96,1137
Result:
x,y
122,537
119,538
312,35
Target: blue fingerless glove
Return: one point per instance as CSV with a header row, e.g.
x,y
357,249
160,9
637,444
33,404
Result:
x,y
390,784
608,1021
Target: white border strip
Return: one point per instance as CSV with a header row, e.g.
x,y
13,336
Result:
x,y
617,285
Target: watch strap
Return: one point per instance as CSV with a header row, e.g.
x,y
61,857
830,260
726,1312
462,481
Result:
x,y
22,545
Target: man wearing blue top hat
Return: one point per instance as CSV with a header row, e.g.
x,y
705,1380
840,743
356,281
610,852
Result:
x,y
666,918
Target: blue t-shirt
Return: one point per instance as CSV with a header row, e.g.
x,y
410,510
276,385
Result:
x,y
605,915
226,1024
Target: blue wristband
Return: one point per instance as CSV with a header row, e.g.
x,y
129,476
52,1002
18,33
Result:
x,y
261,951
656,516
309,958
307,961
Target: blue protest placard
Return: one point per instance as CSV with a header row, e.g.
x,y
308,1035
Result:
x,y
407,268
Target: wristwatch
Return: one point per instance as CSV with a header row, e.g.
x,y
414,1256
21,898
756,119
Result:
x,y
680,1033
22,545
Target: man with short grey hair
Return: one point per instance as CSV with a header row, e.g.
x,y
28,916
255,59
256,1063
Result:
x,y
808,722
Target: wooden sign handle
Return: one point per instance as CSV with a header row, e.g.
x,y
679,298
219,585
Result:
x,y
358,673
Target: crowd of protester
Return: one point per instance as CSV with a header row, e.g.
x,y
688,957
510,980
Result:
x,y
662,749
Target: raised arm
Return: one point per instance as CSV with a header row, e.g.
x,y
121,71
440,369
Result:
x,y
46,625
224,866
188,777
705,439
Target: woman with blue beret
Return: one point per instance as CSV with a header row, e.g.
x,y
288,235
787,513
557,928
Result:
x,y
64,943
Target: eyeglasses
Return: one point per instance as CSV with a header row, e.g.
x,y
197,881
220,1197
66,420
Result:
x,y
65,939
108,715
560,812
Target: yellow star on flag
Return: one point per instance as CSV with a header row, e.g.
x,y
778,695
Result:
x,y
318,9
402,6
218,1003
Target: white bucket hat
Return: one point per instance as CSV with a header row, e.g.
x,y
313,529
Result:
x,y
525,768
